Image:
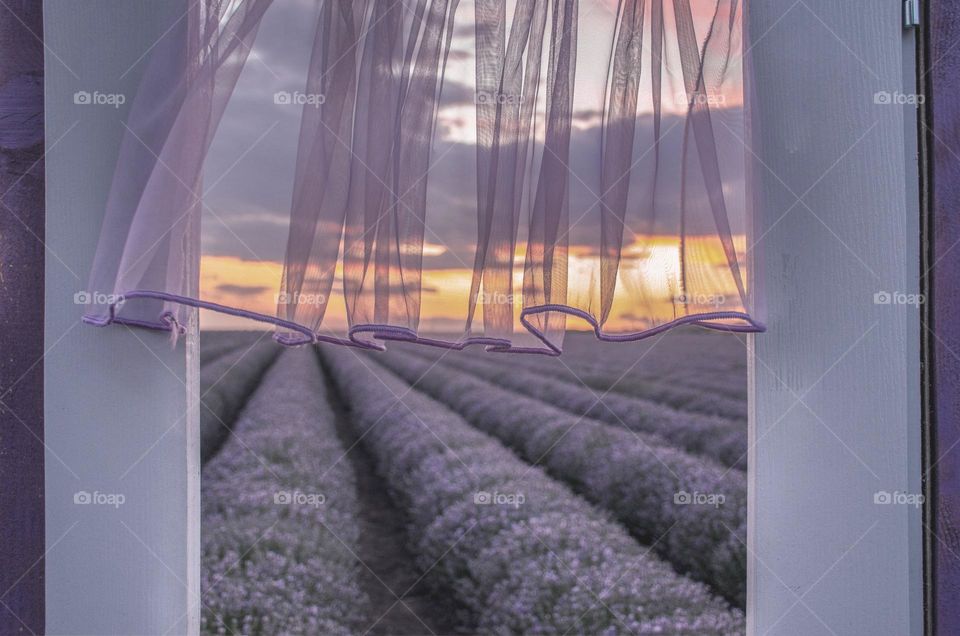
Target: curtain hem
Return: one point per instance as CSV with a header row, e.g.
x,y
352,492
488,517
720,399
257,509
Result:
x,y
167,322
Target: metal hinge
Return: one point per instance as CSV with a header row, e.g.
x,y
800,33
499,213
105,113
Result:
x,y
911,13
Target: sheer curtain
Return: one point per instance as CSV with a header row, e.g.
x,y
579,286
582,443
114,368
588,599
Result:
x,y
479,172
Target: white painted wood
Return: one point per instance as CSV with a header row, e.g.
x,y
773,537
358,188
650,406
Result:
x,y
118,417
835,413
193,465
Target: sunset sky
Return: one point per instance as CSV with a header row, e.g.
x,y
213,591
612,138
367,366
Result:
x,y
249,178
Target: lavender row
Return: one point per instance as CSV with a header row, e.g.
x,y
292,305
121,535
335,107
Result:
x,y
279,516
518,549
710,362
729,384
718,438
684,387
225,385
690,358
690,509
214,344
687,391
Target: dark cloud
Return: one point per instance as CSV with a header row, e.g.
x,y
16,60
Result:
x,y
586,115
242,290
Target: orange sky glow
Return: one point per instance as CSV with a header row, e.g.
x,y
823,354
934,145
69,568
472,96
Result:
x,y
648,271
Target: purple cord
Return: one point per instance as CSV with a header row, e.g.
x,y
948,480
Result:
x,y
167,322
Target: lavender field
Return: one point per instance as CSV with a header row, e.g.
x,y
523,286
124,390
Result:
x,y
422,491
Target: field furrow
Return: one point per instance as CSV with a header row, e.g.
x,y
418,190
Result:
x,y
225,385
690,509
721,439
280,516
214,344
518,549
684,386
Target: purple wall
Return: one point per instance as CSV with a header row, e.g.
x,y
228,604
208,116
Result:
x,y
21,318
943,74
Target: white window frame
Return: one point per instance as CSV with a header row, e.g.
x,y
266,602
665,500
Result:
x,y
835,414
121,405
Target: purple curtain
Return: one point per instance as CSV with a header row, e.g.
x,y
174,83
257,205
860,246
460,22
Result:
x,y
512,164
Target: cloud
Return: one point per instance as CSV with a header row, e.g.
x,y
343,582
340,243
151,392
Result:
x,y
242,290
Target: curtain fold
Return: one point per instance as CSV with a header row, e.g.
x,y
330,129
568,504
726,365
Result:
x,y
468,172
